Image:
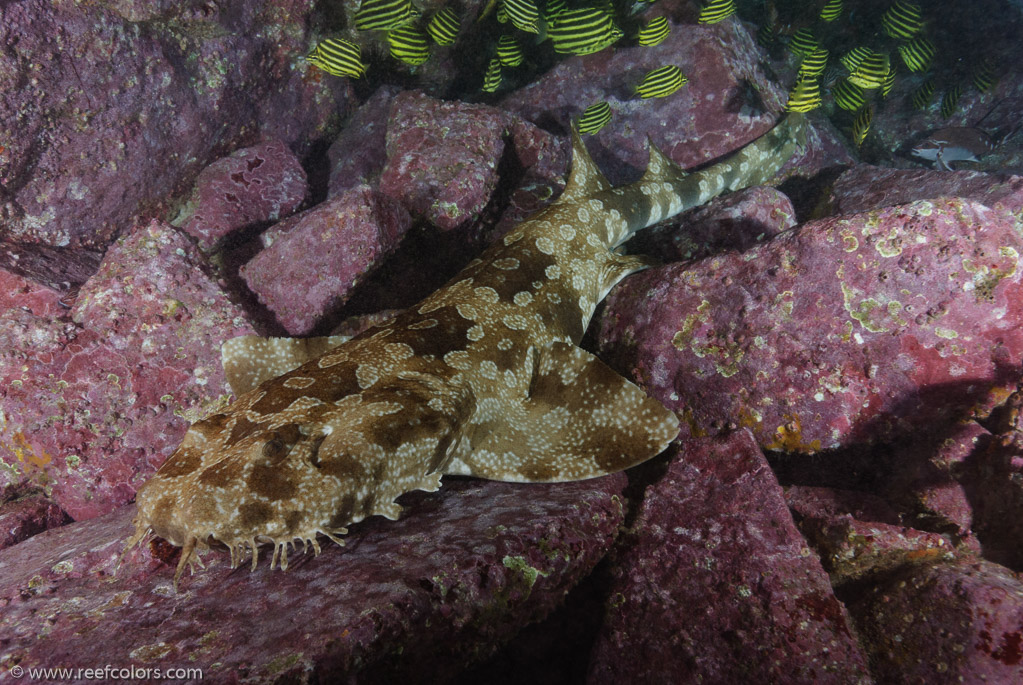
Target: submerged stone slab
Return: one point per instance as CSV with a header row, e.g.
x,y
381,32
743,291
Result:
x,y
715,584
418,599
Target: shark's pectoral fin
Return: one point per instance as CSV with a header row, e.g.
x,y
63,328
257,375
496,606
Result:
x,y
580,420
250,359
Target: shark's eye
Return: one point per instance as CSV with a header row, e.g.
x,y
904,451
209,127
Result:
x,y
274,451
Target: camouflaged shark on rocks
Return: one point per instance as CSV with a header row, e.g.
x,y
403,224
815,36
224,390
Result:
x,y
482,378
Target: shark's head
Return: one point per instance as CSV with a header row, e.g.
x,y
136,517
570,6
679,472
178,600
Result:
x,y
242,484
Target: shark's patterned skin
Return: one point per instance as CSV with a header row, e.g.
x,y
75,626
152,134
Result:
x,y
484,378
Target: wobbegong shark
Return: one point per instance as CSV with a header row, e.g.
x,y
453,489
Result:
x,y
482,378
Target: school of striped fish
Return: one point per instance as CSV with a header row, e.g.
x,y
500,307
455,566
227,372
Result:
x,y
859,76
581,28
854,78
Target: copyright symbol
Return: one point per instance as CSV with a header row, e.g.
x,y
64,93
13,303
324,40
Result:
x,y
17,671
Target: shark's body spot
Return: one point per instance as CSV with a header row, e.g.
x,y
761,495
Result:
x,y
545,245
475,333
467,311
506,264
523,299
299,382
566,231
488,369
553,271
367,375
423,325
488,294
515,322
583,215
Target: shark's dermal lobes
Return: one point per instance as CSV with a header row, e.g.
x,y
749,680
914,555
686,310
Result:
x,y
484,378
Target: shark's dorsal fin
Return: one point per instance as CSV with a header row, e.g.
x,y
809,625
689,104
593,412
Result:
x,y
250,359
585,178
661,168
580,420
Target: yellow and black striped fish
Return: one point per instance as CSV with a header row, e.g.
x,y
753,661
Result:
x,y
409,43
950,100
831,11
767,36
583,31
861,124
921,97
523,14
492,79
852,59
814,63
384,14
338,57
509,52
848,96
984,76
871,71
443,27
889,81
661,82
803,42
553,8
594,118
902,20
654,32
716,10
918,53
805,95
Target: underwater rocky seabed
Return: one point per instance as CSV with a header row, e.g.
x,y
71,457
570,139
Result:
x,y
845,503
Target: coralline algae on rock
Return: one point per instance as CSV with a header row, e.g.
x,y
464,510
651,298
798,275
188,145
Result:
x,y
846,330
91,404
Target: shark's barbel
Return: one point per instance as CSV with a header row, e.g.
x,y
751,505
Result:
x,y
483,378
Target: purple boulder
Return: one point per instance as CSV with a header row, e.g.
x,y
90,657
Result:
x,y
312,263
715,584
846,330
253,185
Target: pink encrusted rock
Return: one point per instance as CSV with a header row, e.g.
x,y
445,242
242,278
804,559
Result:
x,y
18,292
359,153
253,185
308,272
716,585
413,601
846,330
857,536
864,188
27,515
442,157
944,623
732,222
94,406
728,101
118,115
